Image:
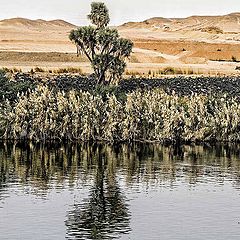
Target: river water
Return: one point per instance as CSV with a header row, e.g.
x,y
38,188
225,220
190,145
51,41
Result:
x,y
138,191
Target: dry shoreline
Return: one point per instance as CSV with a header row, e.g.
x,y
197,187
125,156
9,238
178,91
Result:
x,y
55,60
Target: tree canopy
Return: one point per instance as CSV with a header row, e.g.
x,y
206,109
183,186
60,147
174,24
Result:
x,y
102,45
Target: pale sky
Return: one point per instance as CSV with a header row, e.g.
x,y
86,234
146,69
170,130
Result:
x,y
121,11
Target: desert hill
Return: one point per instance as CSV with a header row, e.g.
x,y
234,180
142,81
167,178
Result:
x,y
39,23
24,35
229,23
199,44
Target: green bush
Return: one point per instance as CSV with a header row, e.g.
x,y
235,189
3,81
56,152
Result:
x,y
10,88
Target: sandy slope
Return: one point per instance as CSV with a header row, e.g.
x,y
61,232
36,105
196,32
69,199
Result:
x,y
194,43
227,24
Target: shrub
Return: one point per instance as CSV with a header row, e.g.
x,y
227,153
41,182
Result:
x,y
212,30
38,69
234,59
10,88
169,70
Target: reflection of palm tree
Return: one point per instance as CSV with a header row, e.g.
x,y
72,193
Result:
x,y
104,215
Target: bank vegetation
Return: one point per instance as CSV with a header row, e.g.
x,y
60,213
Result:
x,y
44,114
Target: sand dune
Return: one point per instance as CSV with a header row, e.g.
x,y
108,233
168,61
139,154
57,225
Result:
x,y
210,29
197,42
39,23
227,23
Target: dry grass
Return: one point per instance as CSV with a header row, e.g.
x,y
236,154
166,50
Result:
x,y
57,71
165,71
144,116
212,30
68,70
8,56
12,70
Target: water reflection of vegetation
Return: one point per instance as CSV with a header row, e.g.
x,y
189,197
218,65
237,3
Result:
x,y
40,164
104,214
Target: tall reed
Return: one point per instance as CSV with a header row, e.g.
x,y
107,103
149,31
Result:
x,y
151,115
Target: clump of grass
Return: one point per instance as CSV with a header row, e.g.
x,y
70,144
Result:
x,y
12,70
237,68
6,70
212,29
234,59
57,71
172,71
38,70
164,71
169,70
68,70
190,71
17,70
132,73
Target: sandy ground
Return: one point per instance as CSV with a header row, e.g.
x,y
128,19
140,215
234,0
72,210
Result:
x,y
46,45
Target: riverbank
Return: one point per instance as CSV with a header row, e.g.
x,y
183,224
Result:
x,y
71,107
65,80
